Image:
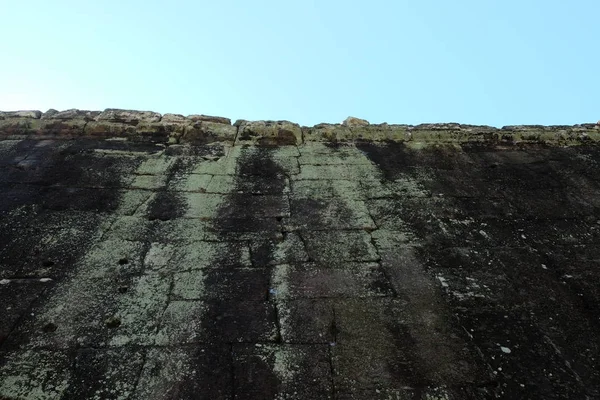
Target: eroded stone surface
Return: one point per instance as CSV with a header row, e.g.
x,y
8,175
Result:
x,y
137,270
148,126
353,121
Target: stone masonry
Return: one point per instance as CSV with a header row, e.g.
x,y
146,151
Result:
x,y
147,126
148,256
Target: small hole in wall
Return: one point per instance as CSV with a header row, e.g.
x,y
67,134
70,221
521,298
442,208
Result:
x,y
47,263
113,322
279,219
123,261
123,289
50,327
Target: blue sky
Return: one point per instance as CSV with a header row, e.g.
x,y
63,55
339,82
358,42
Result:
x,y
481,62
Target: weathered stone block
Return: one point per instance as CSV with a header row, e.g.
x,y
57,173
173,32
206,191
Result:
x,y
326,133
250,284
380,344
305,320
353,121
343,133
16,295
209,131
282,372
357,172
198,372
332,157
337,247
217,321
311,281
557,133
277,249
263,206
452,133
42,128
209,118
71,114
105,374
44,374
170,258
325,189
128,116
340,212
178,118
33,114
270,133
142,131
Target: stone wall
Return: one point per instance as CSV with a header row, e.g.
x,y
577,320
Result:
x,y
200,129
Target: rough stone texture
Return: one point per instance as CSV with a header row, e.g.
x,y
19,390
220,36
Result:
x,y
20,114
209,118
128,116
203,132
174,118
153,127
353,121
270,132
233,268
71,114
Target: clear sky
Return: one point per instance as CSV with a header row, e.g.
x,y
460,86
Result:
x,y
493,62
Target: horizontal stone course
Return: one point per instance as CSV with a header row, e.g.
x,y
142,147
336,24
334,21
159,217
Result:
x,y
150,126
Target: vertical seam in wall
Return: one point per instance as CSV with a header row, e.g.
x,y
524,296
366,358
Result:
x,y
330,351
237,132
138,376
232,370
84,128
